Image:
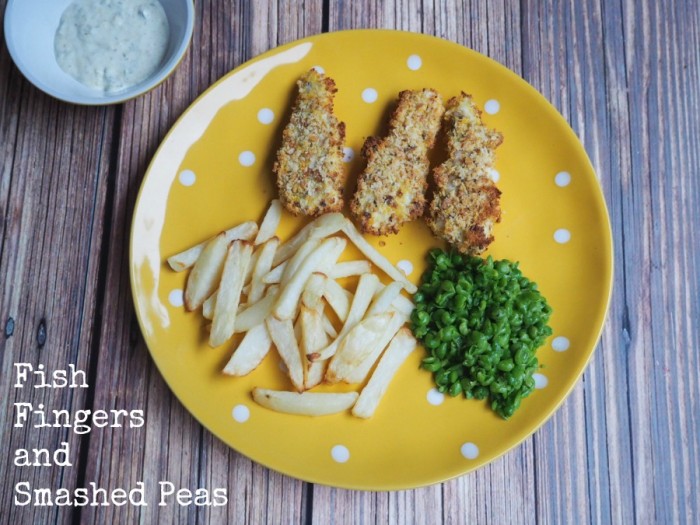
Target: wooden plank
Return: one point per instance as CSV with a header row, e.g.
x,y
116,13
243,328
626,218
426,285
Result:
x,y
10,96
599,117
54,180
173,446
663,94
599,114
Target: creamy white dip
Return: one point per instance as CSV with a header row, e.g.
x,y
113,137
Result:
x,y
111,44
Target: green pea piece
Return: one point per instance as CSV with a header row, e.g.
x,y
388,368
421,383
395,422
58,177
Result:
x,y
455,389
422,318
433,366
442,377
481,321
463,327
449,333
506,365
419,331
431,341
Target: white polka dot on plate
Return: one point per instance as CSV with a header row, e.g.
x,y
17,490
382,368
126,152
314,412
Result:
x,y
246,158
562,235
405,266
348,154
369,95
560,344
562,179
492,106
469,451
414,62
340,453
240,413
266,116
175,298
435,397
495,176
319,70
540,380
187,177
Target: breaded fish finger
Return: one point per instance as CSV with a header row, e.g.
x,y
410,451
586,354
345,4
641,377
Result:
x,y
391,190
466,202
309,166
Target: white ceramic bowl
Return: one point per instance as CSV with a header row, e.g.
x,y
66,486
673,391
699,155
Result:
x,y
30,27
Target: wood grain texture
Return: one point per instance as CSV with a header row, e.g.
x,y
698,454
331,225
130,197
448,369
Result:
x,y
55,161
623,448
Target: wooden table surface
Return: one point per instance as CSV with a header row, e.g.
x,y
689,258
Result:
x,y
623,448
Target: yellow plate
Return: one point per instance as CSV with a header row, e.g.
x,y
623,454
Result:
x,y
213,171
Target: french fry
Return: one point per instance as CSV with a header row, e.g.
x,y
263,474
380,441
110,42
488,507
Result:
x,y
324,226
270,222
250,352
338,298
312,296
363,295
403,305
256,313
229,296
206,273
377,258
359,373
186,259
313,338
398,351
282,335
357,345
330,249
262,267
299,257
297,331
305,404
274,276
328,326
249,270
385,298
315,373
209,305
349,268
297,336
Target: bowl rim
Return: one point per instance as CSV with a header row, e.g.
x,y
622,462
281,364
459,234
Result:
x,y
159,76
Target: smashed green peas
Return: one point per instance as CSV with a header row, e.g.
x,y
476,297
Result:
x,y
481,322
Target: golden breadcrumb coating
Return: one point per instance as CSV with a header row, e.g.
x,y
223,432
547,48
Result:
x,y
392,188
309,166
465,205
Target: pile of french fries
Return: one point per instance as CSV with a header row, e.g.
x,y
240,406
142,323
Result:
x,y
277,294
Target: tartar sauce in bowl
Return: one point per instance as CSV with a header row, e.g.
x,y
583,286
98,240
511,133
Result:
x,y
111,45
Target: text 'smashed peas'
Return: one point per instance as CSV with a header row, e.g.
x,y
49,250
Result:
x,y
481,322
